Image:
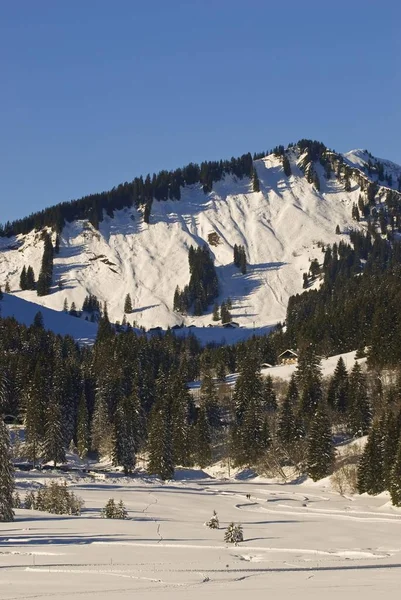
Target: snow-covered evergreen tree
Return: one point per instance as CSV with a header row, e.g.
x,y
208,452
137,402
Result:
x,y
213,522
234,534
121,511
6,473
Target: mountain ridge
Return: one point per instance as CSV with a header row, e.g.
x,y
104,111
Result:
x,y
282,227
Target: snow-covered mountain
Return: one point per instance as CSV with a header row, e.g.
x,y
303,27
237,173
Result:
x,y
283,227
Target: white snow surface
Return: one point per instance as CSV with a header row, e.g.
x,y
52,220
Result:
x,y
300,540
281,228
60,323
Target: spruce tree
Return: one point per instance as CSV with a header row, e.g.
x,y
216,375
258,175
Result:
x,y
210,399
203,453
395,481
46,272
370,469
6,475
53,442
269,395
286,166
34,412
160,446
128,304
287,426
101,427
338,388
309,380
216,312
82,427
255,181
22,279
359,414
30,279
320,456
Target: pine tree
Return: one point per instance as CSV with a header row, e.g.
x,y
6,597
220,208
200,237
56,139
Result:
x,y
128,304
6,475
160,447
101,426
203,454
286,166
309,380
287,426
234,534
34,412
320,457
110,510
216,312
46,272
338,388
53,442
338,231
213,522
255,181
210,399
30,279
22,279
269,395
395,482
370,469
359,414
124,435
82,427
65,306
121,511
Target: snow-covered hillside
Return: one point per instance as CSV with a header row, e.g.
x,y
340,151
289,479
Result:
x,y
60,323
282,228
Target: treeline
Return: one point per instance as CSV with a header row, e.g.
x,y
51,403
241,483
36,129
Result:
x,y
140,192
102,399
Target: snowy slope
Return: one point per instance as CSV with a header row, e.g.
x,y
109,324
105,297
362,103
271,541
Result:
x,y
300,541
60,323
282,228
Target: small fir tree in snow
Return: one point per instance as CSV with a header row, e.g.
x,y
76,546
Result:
x,y
213,522
113,510
17,500
121,511
234,534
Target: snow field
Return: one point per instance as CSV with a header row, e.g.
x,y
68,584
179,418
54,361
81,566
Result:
x,y
301,537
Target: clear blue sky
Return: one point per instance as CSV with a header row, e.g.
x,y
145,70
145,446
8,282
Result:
x,y
95,92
